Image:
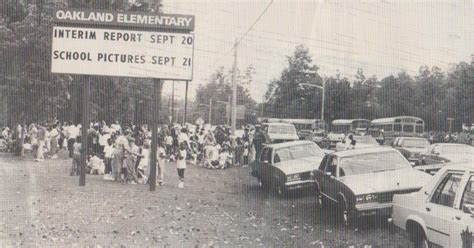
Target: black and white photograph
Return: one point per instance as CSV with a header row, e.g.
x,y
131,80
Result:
x,y
237,123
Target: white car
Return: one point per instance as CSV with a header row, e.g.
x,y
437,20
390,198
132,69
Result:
x,y
440,213
361,142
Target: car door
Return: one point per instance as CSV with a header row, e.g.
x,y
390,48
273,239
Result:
x,y
265,162
439,209
329,177
461,233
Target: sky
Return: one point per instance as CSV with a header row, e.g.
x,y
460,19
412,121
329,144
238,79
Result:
x,y
380,37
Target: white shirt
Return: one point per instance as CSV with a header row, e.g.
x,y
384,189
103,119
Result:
x,y
103,139
73,132
109,151
181,164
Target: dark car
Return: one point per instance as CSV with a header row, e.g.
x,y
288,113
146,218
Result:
x,y
411,148
287,166
362,182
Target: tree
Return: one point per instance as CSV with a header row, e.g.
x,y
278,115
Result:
x,y
286,97
219,90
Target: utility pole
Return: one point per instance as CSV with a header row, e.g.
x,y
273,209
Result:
x,y
172,104
234,91
185,103
210,111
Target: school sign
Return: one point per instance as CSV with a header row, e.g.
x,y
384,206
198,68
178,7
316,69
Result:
x,y
124,44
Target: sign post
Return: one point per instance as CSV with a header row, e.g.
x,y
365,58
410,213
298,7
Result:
x,y
122,44
85,127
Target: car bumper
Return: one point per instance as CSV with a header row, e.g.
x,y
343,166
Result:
x,y
299,184
373,209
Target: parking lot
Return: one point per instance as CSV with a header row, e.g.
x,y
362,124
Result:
x,y
43,206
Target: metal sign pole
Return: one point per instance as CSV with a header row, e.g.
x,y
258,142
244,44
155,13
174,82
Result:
x,y
85,127
186,103
157,85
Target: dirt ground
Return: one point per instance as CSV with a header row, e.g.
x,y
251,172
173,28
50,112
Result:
x,y
42,206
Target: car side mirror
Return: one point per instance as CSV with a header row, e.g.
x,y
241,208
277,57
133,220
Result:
x,y
426,193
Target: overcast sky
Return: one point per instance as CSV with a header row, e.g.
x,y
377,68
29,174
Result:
x,y
381,37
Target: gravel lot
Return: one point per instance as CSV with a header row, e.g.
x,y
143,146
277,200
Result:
x,y
43,206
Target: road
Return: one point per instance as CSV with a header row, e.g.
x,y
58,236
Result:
x,y
43,206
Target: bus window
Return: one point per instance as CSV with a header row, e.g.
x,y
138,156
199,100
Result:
x,y
397,127
408,128
387,128
419,129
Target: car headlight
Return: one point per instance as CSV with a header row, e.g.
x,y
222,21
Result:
x,y
366,198
293,177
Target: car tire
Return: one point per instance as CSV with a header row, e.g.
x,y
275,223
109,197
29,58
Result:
x,y
281,191
421,241
344,214
262,184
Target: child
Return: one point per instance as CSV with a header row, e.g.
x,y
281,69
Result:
x,y
96,165
108,155
181,164
161,155
76,158
130,160
225,159
245,153
144,164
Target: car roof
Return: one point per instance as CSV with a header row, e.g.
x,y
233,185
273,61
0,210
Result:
x,y
277,124
412,138
290,143
360,151
449,144
458,166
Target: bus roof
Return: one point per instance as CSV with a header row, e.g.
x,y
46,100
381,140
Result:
x,y
347,121
392,119
291,121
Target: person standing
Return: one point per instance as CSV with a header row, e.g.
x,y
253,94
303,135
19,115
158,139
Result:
x,y
54,135
258,141
161,154
181,164
108,156
130,160
41,143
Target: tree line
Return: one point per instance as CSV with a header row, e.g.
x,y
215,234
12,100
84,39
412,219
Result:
x,y
432,94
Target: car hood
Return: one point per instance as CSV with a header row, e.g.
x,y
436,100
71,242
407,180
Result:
x,y
386,181
342,146
299,165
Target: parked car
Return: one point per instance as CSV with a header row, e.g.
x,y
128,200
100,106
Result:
x,y
437,155
411,147
439,214
361,142
362,182
278,132
287,166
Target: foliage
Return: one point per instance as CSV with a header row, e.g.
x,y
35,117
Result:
x,y
219,90
431,95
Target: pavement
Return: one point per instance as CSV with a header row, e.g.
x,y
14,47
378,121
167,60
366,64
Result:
x,y
42,206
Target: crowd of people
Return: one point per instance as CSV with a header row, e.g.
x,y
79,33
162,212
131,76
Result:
x,y
122,152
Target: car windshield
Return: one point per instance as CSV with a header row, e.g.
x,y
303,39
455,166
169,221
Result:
x,y
415,143
281,129
297,152
373,163
365,140
454,149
